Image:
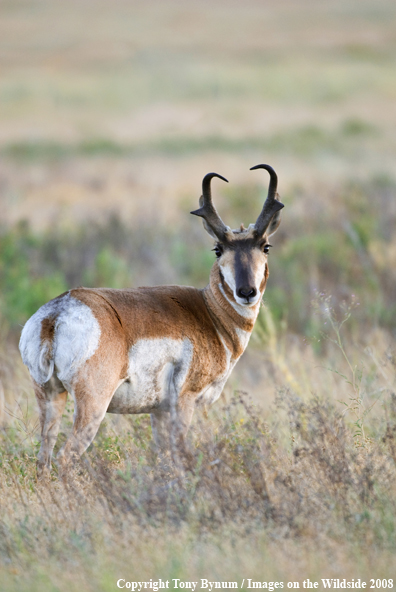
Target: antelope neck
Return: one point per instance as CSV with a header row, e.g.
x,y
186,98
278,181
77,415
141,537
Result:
x,y
227,320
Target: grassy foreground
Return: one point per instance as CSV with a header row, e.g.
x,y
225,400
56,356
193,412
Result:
x,y
296,480
305,490
237,502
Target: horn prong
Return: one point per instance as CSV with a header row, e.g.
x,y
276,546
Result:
x,y
207,210
271,204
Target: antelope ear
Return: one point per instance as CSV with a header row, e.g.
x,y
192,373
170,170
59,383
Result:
x,y
274,224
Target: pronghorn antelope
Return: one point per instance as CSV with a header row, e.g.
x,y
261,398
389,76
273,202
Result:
x,y
158,350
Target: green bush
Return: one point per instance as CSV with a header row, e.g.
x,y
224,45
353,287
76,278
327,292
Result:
x,y
347,248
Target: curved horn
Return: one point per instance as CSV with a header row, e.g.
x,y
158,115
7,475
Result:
x,y
208,212
271,204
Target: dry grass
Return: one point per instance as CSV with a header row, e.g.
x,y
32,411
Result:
x,y
303,489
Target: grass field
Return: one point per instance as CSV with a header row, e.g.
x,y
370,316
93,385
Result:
x,y
110,115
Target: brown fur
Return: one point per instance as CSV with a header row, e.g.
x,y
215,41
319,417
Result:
x,y
264,280
208,319
47,329
164,311
205,317
176,312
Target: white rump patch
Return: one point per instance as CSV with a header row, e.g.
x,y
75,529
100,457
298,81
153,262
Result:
x,y
76,338
33,352
77,335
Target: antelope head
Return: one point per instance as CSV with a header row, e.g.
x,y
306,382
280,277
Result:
x,y
242,253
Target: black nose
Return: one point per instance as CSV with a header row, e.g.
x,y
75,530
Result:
x,y
246,292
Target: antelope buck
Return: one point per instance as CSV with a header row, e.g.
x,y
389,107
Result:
x,y
158,350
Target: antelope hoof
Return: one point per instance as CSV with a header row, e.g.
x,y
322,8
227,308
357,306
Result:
x,y
43,472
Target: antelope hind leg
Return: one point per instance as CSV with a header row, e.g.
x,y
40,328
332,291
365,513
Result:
x,y
89,412
51,400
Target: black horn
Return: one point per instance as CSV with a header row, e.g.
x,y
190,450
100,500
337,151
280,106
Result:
x,y
271,204
212,221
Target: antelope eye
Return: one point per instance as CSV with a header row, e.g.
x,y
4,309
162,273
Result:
x,y
218,251
267,248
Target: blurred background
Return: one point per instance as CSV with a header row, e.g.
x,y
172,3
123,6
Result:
x,y
112,112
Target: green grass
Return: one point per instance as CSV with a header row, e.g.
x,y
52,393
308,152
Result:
x,y
304,141
340,253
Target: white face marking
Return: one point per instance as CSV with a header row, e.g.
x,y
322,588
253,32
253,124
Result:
x,y
157,371
77,335
258,278
229,278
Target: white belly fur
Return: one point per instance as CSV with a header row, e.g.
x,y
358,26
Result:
x,y
157,368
